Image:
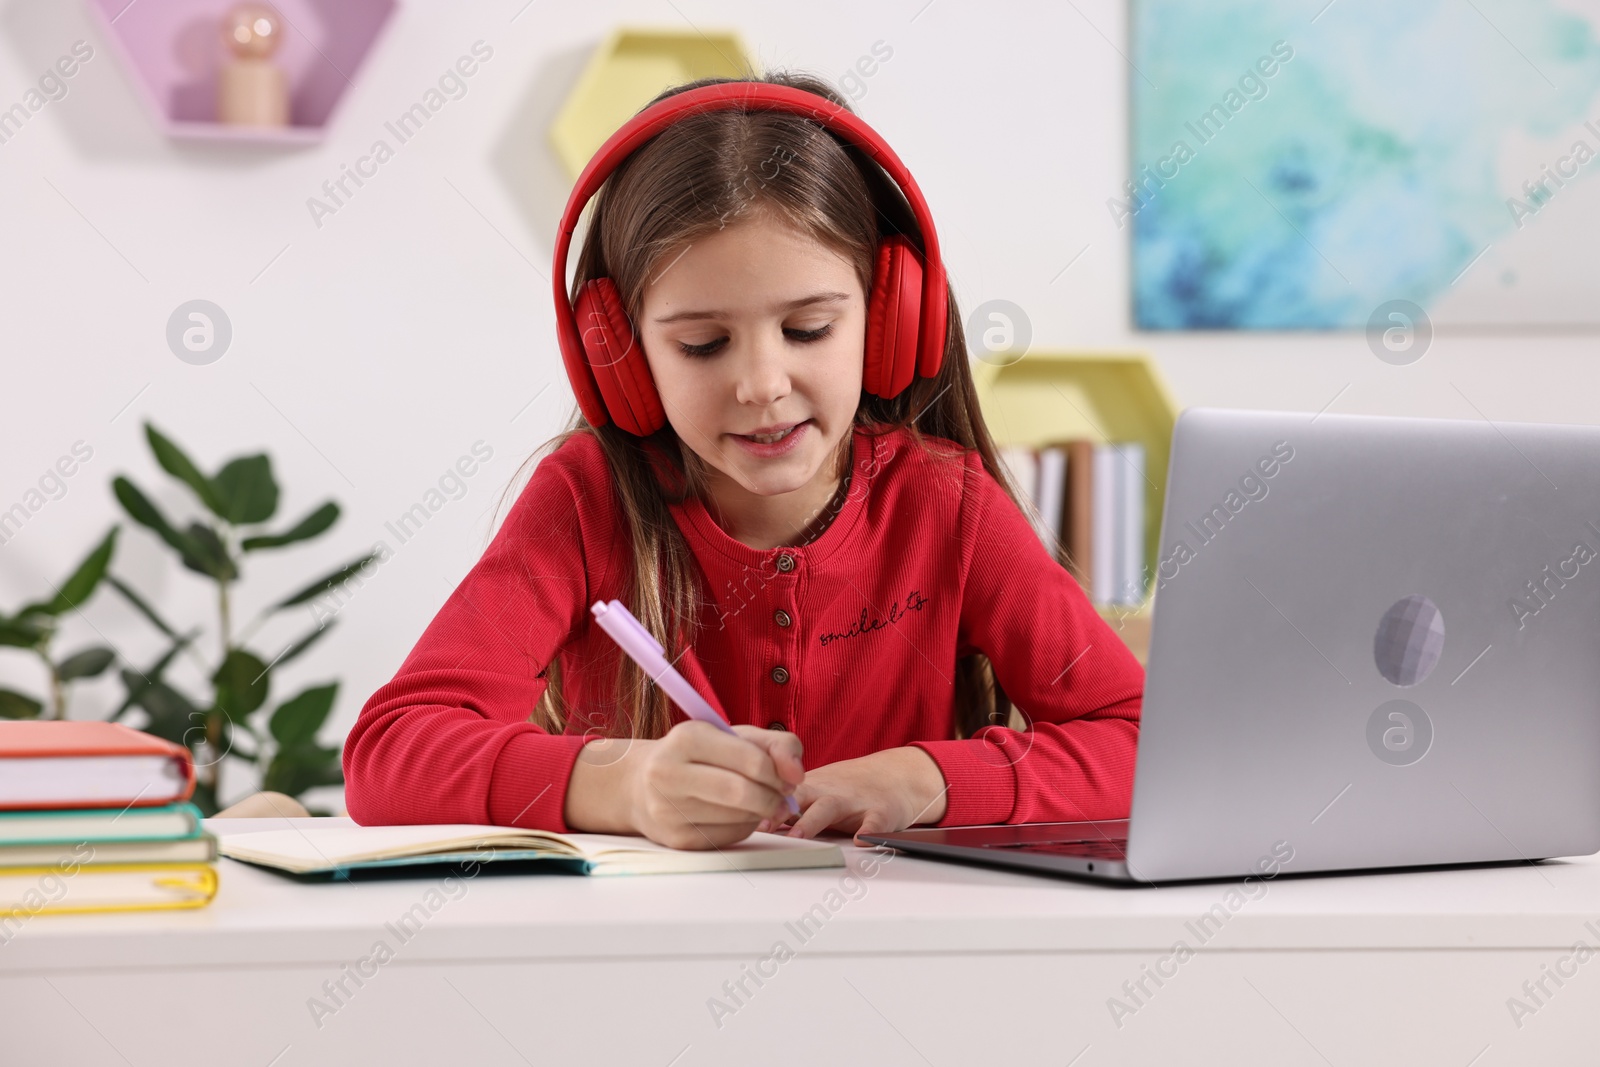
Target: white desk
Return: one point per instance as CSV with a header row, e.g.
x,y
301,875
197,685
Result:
x,y
928,963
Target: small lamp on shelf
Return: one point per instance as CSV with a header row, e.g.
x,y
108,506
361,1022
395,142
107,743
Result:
x,y
251,89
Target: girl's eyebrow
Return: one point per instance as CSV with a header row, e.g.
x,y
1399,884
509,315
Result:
x,y
804,301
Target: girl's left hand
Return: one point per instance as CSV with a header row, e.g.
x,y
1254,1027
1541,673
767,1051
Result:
x,y
878,793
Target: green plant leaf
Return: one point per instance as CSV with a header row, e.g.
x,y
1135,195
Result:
x,y
139,602
16,706
298,719
81,586
176,463
173,716
294,650
199,547
209,556
247,490
304,530
323,585
294,770
146,514
241,684
135,682
22,633
89,663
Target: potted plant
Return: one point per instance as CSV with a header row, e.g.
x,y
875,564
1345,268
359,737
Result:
x,y
231,721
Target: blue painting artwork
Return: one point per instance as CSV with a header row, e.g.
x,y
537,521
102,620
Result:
x,y
1301,165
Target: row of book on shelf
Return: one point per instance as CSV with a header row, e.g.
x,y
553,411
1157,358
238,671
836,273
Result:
x,y
1089,510
95,816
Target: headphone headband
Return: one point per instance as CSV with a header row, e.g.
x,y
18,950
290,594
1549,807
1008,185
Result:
x,y
747,96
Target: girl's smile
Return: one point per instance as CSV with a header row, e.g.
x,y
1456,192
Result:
x,y
774,442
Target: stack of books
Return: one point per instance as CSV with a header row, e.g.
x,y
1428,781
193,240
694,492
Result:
x,y
94,816
1089,505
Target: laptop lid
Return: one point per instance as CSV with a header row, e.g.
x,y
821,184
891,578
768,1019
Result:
x,y
1376,642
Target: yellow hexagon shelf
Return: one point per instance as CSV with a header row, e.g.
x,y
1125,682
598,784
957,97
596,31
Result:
x,y
628,69
1048,397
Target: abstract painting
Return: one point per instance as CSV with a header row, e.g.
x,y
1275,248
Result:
x,y
1303,165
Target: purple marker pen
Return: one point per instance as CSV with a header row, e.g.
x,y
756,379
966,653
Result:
x,y
629,633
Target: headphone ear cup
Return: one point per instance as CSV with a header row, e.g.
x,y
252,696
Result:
x,y
616,359
893,313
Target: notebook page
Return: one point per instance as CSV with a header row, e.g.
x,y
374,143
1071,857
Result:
x,y
312,848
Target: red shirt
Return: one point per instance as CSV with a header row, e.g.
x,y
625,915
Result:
x,y
927,559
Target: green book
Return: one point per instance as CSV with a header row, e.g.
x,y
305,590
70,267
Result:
x,y
170,822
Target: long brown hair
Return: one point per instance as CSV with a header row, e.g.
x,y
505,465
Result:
x,y
687,182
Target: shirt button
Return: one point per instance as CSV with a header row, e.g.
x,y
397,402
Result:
x,y
780,675
785,562
776,725
781,617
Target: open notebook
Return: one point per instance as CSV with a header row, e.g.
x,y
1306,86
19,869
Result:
x,y
336,849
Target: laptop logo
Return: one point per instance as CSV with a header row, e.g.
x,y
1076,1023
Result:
x,y
1406,648
1409,640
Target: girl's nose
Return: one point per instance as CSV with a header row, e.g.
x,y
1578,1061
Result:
x,y
763,377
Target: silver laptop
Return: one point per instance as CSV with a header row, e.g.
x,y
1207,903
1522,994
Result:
x,y
1375,644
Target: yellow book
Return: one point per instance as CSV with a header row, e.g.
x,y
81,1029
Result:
x,y
60,890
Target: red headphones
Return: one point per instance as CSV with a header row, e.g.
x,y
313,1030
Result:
x,y
905,310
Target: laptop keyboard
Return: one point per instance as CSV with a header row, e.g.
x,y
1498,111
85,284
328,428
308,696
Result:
x,y
1098,848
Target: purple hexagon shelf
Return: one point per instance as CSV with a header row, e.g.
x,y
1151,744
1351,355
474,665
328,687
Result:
x,y
173,50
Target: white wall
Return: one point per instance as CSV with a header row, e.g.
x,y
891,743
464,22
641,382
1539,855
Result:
x,y
376,349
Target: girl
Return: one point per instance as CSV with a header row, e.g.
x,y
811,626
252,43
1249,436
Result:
x,y
825,546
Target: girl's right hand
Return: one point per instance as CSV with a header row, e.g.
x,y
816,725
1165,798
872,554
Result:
x,y
699,788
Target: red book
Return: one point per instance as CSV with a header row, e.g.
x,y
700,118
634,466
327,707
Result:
x,y
89,765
